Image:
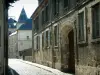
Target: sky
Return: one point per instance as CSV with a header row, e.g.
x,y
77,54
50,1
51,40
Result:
x,y
29,6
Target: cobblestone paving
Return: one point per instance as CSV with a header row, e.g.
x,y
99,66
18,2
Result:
x,y
26,69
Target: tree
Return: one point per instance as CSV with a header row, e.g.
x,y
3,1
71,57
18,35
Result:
x,y
8,2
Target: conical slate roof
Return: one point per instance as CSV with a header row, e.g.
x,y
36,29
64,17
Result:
x,y
11,23
27,25
11,20
22,17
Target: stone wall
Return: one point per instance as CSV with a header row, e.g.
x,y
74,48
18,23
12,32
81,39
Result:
x,y
85,55
89,52
28,58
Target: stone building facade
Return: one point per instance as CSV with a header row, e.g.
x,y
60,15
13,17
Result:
x,y
13,47
66,35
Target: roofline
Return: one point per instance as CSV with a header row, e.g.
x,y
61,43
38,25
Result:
x,y
13,33
40,5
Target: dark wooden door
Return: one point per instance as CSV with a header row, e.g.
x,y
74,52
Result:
x,y
71,59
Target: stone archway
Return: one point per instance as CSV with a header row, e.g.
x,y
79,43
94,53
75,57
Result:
x,y
67,49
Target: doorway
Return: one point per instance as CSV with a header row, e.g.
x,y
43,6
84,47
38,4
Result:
x,y
71,59
67,51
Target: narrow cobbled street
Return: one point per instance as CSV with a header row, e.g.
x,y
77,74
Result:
x,y
22,67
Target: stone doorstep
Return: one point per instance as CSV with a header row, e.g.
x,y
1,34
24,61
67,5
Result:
x,y
30,63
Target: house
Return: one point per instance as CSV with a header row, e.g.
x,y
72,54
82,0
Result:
x,y
24,32
25,40
11,25
20,41
66,35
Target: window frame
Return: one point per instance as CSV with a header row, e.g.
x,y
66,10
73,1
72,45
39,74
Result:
x,y
55,7
55,45
47,38
37,42
43,17
43,40
95,24
47,13
36,23
97,39
65,7
85,26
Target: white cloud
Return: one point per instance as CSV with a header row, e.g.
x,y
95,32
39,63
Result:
x,y
29,5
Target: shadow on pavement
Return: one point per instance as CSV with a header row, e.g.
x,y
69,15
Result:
x,y
12,72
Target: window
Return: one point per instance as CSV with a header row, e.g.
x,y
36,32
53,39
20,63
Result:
x,y
81,26
50,33
36,22
56,35
9,26
69,4
46,38
46,13
72,4
96,21
37,42
27,37
42,40
65,3
43,18
55,6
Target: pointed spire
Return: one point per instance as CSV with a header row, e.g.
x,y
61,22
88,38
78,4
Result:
x,y
23,16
